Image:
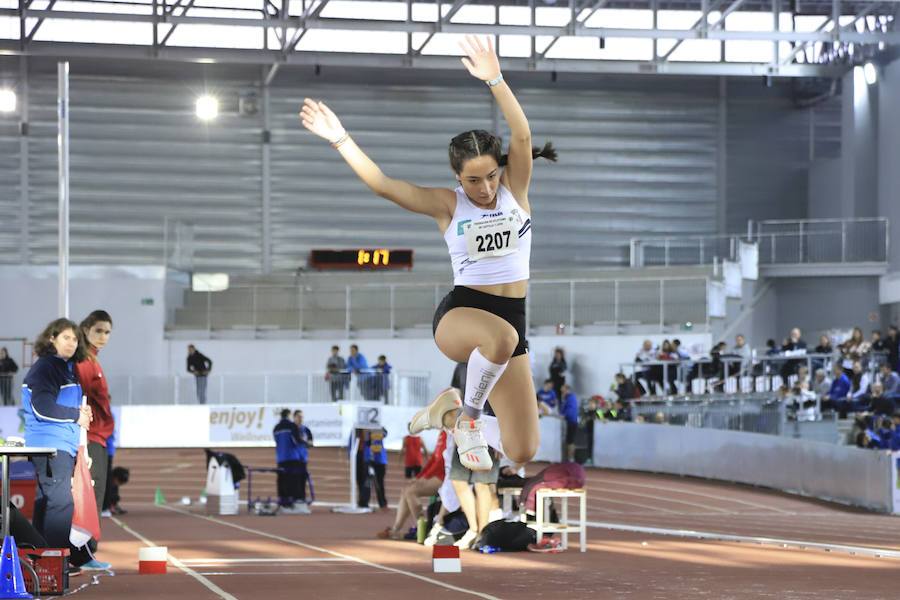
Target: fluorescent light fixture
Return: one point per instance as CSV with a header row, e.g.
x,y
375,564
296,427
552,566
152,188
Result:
x,y
871,73
207,108
7,101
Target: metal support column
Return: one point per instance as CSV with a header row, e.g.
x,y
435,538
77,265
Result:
x,y
62,106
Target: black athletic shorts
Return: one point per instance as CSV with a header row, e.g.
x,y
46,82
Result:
x,y
511,310
571,430
411,472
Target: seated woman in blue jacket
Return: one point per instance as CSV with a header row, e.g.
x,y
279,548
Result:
x,y
51,398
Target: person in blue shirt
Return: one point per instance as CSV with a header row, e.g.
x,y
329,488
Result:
x,y
382,378
359,366
570,410
52,404
546,398
292,439
376,457
836,397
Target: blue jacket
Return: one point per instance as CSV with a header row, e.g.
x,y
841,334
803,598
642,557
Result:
x,y
357,363
291,441
570,407
840,388
548,397
51,398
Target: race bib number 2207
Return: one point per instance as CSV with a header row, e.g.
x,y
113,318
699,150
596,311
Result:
x,y
491,237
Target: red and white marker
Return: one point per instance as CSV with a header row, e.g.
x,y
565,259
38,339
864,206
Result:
x,y
152,560
445,559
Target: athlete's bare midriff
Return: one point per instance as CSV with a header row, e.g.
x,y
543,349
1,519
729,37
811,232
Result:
x,y
516,289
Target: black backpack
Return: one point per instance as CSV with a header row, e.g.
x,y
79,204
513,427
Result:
x,y
507,536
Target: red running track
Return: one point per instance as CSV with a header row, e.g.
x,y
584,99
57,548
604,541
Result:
x,y
327,555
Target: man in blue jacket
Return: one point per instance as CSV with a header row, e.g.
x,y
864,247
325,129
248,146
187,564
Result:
x,y
836,398
292,439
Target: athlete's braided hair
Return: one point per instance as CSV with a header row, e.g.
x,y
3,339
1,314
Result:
x,y
479,142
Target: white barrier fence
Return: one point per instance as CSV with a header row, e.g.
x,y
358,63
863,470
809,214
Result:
x,y
844,474
242,425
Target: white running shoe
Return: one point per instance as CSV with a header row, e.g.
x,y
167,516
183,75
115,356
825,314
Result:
x,y
433,534
432,416
467,539
471,445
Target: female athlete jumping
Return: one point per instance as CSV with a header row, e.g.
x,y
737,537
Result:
x,y
486,222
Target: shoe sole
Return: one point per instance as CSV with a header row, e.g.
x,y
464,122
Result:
x,y
447,400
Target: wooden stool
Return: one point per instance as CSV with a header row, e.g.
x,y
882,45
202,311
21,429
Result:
x,y
543,525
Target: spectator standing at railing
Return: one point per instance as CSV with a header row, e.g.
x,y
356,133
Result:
x,y
357,363
336,374
742,349
199,366
889,379
666,374
547,398
795,345
646,354
8,368
382,377
558,367
893,347
852,350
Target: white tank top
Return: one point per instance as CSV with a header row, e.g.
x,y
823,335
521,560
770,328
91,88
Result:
x,y
489,246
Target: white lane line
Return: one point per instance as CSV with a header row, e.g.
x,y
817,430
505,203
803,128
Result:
x,y
768,541
336,554
242,561
680,490
180,565
606,492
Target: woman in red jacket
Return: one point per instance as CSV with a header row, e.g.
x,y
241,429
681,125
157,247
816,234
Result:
x,y
96,328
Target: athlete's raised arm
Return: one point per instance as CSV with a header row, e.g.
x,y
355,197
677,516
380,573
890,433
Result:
x,y
437,203
482,62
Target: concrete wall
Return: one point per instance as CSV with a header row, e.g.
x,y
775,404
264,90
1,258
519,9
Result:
x,y
818,303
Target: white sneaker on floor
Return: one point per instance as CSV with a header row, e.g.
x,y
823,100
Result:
x,y
466,540
299,508
432,416
105,513
432,537
471,445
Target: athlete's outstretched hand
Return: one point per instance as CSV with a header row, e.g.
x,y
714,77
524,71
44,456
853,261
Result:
x,y
319,119
480,60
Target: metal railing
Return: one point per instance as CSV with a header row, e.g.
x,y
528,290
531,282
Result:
x,y
399,388
749,413
783,242
813,241
391,306
735,375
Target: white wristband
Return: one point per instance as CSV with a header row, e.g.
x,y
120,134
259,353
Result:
x,y
495,81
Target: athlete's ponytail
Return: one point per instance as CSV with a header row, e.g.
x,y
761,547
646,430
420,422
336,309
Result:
x,y
548,152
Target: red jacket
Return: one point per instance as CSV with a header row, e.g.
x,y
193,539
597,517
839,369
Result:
x,y
93,382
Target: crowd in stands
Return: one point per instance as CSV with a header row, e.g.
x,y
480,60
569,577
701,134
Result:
x,y
851,376
374,383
